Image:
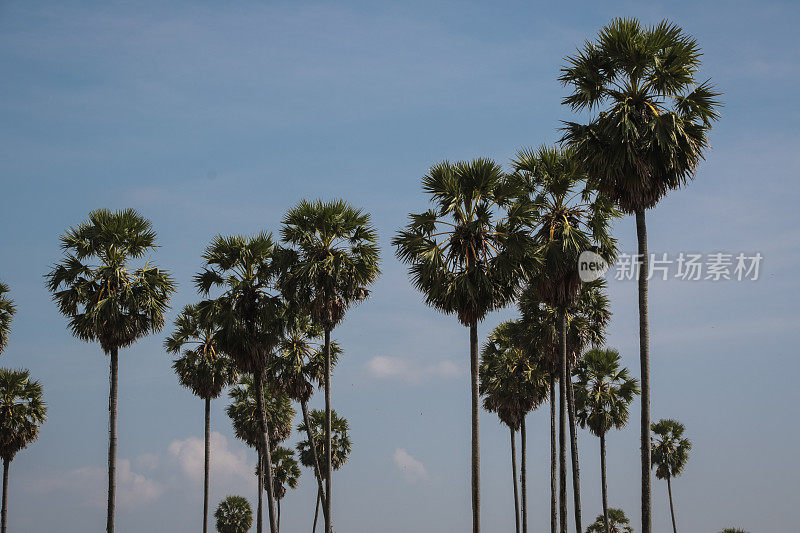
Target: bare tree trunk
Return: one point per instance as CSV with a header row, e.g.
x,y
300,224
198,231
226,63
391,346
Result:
x,y
524,442
317,470
207,465
266,456
112,439
671,506
573,438
553,458
644,359
6,464
328,437
316,512
514,476
476,453
604,480
260,476
562,423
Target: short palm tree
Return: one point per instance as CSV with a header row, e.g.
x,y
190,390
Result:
x,y
234,515
7,311
648,138
670,453
603,392
108,299
614,521
22,412
573,219
202,369
336,259
512,384
466,256
246,418
286,474
316,445
250,316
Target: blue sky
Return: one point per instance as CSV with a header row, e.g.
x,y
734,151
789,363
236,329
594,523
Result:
x,y
212,119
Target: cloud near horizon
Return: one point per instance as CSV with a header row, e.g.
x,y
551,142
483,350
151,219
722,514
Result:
x,y
225,462
408,371
412,469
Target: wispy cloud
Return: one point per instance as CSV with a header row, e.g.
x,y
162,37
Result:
x,y
225,462
413,470
408,371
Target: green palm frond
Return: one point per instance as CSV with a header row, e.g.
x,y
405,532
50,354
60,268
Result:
x,y
243,413
22,411
669,447
7,311
603,391
341,444
285,471
234,515
617,523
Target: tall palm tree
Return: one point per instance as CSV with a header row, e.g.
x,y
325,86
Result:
x,y
336,258
573,219
7,311
22,412
234,515
614,521
286,473
603,392
647,139
108,299
512,384
250,314
317,445
670,453
466,256
201,369
244,412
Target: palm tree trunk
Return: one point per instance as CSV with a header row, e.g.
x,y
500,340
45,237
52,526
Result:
x,y
476,453
279,516
112,438
328,437
260,476
6,464
524,441
207,465
266,456
644,359
317,470
562,423
573,438
671,506
514,476
553,460
316,512
603,479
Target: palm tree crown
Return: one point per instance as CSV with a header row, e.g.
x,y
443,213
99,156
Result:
x,y
603,391
7,311
653,129
234,515
244,414
617,523
22,411
286,471
340,441
670,448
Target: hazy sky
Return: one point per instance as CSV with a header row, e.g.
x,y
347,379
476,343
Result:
x,y
211,118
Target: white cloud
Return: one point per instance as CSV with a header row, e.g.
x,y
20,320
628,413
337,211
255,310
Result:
x,y
225,462
413,470
147,461
405,370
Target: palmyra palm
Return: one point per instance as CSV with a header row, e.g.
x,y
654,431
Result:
x,y
648,138
614,521
234,515
670,454
7,311
285,474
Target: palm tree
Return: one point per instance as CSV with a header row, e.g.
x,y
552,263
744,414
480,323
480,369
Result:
x,y
246,402
670,453
466,256
22,412
286,473
234,515
614,521
648,139
513,384
7,311
573,219
109,300
316,445
250,314
733,530
201,369
335,260
603,393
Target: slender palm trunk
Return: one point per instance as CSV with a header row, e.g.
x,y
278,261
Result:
x,y
317,470
328,437
604,480
112,439
553,460
6,464
476,449
260,476
316,512
266,457
524,441
644,359
562,423
279,516
573,438
671,506
514,476
207,465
